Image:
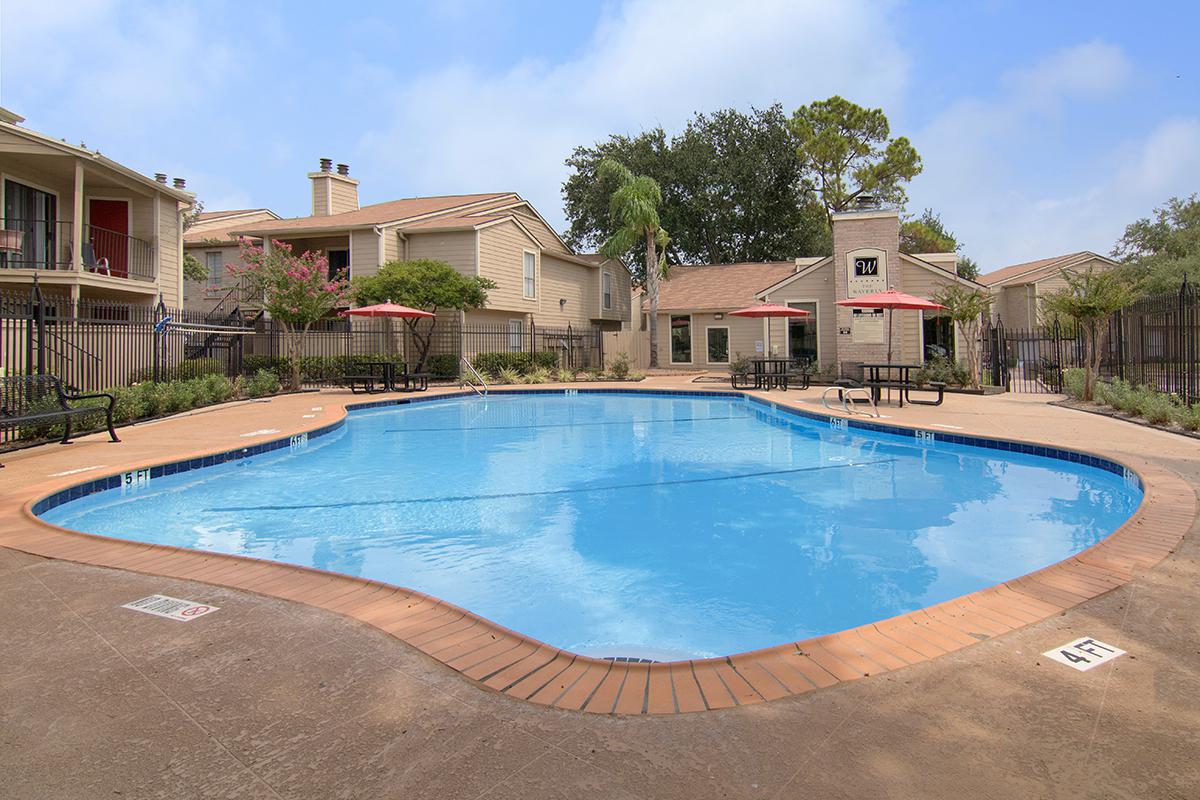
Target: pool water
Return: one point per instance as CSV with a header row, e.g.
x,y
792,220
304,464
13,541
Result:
x,y
637,525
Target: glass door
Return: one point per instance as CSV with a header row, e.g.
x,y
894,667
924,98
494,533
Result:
x,y
33,213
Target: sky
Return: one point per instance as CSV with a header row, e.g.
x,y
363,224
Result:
x,y
1044,128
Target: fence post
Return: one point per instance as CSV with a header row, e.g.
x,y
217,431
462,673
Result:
x,y
997,345
1058,356
40,319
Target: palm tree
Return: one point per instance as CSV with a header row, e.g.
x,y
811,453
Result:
x,y
634,212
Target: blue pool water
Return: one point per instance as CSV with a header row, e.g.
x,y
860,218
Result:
x,y
634,525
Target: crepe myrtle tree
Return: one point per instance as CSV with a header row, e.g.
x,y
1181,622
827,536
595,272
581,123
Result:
x,y
423,283
1089,298
967,308
297,291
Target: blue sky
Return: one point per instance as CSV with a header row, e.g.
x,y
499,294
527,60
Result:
x,y
1044,127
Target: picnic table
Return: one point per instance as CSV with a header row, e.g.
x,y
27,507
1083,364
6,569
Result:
x,y
899,377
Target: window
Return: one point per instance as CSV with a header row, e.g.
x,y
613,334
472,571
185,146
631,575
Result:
x,y
681,339
339,264
802,334
32,212
937,331
718,345
515,326
530,272
606,282
212,261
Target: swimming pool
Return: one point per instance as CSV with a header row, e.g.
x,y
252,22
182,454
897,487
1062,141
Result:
x,y
630,524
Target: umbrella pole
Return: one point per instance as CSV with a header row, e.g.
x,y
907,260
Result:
x,y
891,311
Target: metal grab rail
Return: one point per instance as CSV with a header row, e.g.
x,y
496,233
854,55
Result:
x,y
848,400
478,377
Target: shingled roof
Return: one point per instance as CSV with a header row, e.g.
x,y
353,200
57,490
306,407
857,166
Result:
x,y
718,286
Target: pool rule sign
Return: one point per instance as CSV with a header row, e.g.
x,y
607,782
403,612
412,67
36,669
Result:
x,y
1083,654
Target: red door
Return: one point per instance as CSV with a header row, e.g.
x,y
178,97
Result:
x,y
108,233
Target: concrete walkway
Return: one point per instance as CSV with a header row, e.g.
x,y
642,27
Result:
x,y
268,698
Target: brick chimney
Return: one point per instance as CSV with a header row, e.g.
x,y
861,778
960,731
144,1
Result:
x,y
866,259
333,192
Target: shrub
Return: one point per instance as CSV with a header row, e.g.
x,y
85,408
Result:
x,y
537,375
188,368
521,362
1156,407
740,364
620,366
218,388
508,375
445,366
564,375
943,369
1120,395
1073,380
1188,417
317,368
263,383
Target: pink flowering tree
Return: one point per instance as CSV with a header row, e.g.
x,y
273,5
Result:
x,y
296,290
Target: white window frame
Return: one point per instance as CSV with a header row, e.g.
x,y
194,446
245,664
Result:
x,y
529,257
606,285
816,318
706,347
516,335
671,336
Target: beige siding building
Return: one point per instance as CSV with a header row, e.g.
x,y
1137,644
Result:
x,y
539,279
696,330
1017,290
211,240
85,226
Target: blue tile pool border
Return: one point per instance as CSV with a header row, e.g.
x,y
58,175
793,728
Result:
x,y
923,435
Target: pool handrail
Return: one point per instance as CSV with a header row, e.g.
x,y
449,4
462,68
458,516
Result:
x,y
472,371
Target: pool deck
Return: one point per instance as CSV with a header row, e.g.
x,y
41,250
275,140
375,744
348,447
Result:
x,y
358,689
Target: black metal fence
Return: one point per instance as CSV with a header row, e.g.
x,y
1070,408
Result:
x,y
1155,341
93,345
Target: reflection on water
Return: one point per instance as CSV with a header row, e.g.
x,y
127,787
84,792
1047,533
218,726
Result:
x,y
634,525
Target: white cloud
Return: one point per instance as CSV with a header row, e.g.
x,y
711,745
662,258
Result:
x,y
1012,185
461,129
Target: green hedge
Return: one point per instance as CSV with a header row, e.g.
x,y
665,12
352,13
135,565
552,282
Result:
x,y
144,400
523,363
318,368
442,365
184,370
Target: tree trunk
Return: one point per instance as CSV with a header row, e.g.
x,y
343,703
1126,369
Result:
x,y
971,331
652,290
422,342
295,346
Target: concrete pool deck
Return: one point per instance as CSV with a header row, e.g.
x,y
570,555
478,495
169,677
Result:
x,y
263,682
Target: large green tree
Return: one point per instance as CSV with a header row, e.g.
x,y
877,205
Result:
x,y
634,209
423,283
928,234
848,154
732,190
1159,252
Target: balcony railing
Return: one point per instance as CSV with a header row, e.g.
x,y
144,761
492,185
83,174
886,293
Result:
x,y
46,245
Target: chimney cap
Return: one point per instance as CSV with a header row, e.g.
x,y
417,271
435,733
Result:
x,y
867,202
161,177
180,183
343,169
326,164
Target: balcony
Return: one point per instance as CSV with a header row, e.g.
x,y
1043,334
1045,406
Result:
x,y
46,245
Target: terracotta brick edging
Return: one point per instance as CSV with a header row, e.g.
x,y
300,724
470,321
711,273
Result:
x,y
524,668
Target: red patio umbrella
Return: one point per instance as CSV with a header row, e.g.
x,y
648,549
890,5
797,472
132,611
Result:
x,y
891,300
769,310
385,310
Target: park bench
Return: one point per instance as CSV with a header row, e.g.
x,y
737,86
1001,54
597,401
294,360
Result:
x,y
32,399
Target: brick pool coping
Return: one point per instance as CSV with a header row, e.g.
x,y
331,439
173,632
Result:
x,y
524,668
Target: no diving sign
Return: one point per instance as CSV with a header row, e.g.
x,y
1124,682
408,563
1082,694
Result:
x,y
171,607
1083,654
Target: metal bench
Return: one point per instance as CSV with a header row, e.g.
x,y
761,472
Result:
x,y
29,399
